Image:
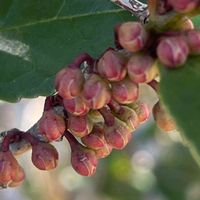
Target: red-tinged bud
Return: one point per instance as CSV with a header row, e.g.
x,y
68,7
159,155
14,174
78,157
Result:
x,y
183,6
95,140
80,126
193,41
96,92
162,118
112,66
117,135
173,51
44,156
142,68
69,82
104,151
132,36
52,125
11,174
142,110
76,106
125,91
129,116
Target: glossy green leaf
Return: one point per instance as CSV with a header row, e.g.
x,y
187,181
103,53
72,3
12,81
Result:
x,y
180,91
37,38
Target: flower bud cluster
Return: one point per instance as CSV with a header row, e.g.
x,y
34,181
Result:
x,y
99,98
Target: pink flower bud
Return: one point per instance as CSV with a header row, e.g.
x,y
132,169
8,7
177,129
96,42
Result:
x,y
142,68
193,41
117,135
80,126
172,51
183,6
132,36
112,66
52,125
104,151
129,116
142,111
125,91
11,174
44,156
95,140
69,82
96,92
83,160
162,118
76,106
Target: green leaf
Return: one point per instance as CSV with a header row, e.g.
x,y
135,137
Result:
x,y
180,91
38,38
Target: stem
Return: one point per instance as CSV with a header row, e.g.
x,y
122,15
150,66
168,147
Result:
x,y
71,139
52,101
84,57
108,116
114,106
154,84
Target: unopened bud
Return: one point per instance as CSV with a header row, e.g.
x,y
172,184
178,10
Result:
x,y
142,110
44,156
80,126
76,106
185,24
183,6
112,66
193,41
52,125
96,92
11,174
118,135
142,68
69,82
125,91
83,160
163,119
95,140
132,36
172,51
129,116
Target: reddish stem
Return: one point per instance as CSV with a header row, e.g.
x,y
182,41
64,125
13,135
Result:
x,y
108,116
84,57
52,101
71,139
16,135
154,84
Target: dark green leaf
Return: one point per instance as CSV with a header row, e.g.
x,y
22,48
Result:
x,y
180,91
37,38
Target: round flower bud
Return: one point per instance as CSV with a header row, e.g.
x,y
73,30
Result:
x,y
129,116
11,174
142,111
83,160
52,125
162,118
172,51
96,92
183,6
186,24
76,106
80,126
125,91
95,140
117,135
132,36
69,82
112,66
142,68
44,156
193,41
